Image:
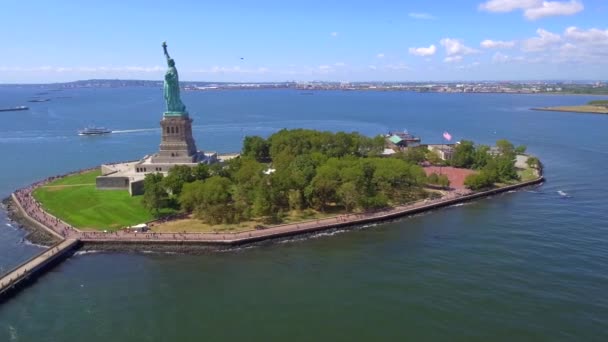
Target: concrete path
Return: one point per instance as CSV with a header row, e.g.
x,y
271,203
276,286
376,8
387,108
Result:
x,y
35,264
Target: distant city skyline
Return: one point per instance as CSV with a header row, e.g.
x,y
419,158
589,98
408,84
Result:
x,y
272,41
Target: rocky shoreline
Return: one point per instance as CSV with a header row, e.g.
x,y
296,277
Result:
x,y
35,234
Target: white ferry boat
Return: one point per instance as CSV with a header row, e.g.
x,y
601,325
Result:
x,y
94,131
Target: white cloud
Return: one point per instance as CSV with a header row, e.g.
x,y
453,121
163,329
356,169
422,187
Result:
x,y
497,44
592,36
508,5
380,55
456,47
453,59
372,67
334,34
423,16
500,58
553,8
534,9
423,51
575,45
544,41
340,64
468,66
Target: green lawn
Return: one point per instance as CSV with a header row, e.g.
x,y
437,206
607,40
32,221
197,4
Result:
x,y
85,207
82,178
527,174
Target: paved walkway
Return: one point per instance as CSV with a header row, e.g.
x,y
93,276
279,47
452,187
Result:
x,y
24,270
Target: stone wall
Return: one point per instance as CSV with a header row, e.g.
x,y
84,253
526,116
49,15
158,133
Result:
x,y
112,183
136,187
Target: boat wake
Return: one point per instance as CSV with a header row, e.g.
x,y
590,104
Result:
x,y
135,130
13,333
87,252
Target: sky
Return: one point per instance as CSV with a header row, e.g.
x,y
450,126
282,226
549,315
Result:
x,y
266,40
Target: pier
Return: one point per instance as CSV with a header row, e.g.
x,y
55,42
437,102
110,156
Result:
x,y
29,270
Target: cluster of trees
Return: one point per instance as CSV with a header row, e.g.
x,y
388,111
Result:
x,y
291,170
439,180
162,192
301,169
494,165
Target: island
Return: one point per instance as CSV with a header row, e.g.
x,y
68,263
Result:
x,y
593,107
292,183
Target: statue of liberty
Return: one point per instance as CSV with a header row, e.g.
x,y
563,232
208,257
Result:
x,y
171,87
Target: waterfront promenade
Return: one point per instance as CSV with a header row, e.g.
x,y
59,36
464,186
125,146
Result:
x,y
32,209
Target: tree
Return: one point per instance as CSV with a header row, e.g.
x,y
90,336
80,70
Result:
x,y
434,158
481,157
506,167
521,149
295,200
264,204
215,204
201,172
478,181
256,147
349,195
324,186
178,175
415,155
191,196
533,162
444,181
155,196
464,154
505,147
440,180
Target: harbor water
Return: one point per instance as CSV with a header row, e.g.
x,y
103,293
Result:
x,y
527,265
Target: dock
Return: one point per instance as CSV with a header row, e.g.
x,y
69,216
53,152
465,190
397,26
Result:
x,y
37,265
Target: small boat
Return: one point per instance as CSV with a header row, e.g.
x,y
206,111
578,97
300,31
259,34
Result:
x,y
39,100
14,109
94,131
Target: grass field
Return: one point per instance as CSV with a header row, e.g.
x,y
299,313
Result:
x,y
527,174
75,200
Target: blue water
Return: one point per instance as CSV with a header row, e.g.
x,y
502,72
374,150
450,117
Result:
x,y
529,265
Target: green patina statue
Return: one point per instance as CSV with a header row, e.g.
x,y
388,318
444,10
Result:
x,y
175,106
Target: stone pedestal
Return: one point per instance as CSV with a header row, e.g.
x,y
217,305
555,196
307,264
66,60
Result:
x,y
177,144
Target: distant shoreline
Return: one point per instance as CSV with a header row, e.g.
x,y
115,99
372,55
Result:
x,y
585,109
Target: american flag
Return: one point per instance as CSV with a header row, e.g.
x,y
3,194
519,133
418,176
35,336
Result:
x,y
447,136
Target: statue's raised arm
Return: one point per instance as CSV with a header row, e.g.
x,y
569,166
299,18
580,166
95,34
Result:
x,y
165,50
